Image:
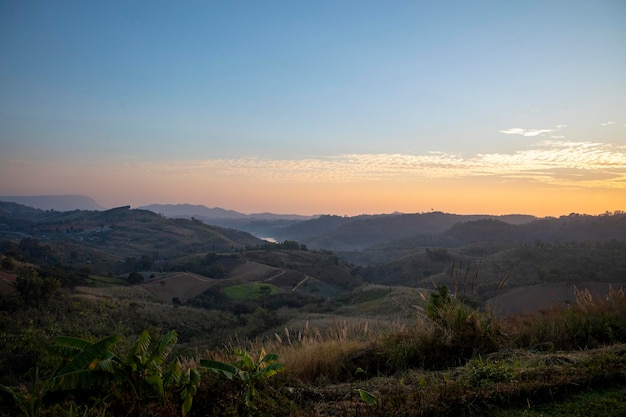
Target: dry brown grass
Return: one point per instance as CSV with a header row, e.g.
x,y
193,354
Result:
x,y
590,322
316,355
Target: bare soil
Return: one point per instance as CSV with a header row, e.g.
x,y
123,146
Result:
x,y
180,285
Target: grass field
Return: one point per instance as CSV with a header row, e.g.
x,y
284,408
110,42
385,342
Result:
x,y
254,291
602,402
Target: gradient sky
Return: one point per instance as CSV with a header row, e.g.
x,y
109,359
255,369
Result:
x,y
342,107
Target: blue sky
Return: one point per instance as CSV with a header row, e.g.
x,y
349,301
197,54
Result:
x,y
249,86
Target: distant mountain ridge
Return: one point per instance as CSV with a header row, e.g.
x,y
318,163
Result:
x,y
359,232
198,210
55,202
192,210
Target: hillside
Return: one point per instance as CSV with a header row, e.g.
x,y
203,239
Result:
x,y
360,232
112,241
258,224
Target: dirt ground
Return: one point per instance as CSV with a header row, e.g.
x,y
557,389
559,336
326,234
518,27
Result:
x,y
182,285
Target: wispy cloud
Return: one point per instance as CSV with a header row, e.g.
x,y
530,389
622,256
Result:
x,y
607,124
526,132
530,132
556,162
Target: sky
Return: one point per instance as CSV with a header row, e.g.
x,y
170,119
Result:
x,y
338,107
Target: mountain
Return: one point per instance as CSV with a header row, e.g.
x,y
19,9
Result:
x,y
104,240
55,202
193,210
216,213
265,225
485,258
360,232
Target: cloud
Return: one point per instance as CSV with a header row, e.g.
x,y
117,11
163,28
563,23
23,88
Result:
x,y
526,132
607,124
530,132
556,162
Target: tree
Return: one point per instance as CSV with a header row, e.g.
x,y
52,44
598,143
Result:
x,y
135,278
8,263
32,288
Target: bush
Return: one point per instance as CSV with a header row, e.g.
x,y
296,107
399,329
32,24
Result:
x,y
450,334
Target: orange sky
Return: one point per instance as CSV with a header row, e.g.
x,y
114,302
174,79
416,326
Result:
x,y
548,180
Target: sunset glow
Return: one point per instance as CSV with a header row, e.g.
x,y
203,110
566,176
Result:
x,y
401,107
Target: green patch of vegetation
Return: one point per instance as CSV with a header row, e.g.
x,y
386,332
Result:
x,y
254,291
320,289
371,295
606,402
248,373
104,281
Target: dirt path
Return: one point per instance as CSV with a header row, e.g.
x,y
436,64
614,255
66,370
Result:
x,y
306,277
274,276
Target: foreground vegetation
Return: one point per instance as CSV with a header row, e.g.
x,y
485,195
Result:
x,y
449,359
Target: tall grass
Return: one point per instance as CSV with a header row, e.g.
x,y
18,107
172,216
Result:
x,y
321,356
447,334
590,322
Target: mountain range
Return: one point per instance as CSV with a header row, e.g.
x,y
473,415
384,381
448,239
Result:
x,y
55,202
387,249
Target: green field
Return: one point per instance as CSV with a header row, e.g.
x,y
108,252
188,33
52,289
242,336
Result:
x,y
254,291
104,281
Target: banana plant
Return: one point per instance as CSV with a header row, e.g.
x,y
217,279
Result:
x,y
142,372
84,364
247,372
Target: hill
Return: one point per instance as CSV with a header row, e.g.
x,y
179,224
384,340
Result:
x,y
114,240
360,232
55,202
263,225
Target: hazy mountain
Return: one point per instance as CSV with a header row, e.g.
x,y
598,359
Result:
x,y
55,202
360,232
265,225
109,237
205,213
193,210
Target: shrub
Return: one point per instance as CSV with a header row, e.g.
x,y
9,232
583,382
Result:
x,y
449,334
247,373
482,372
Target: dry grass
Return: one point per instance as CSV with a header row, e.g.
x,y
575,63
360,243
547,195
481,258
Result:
x,y
311,354
591,322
